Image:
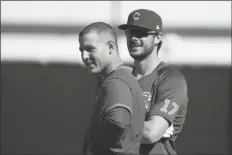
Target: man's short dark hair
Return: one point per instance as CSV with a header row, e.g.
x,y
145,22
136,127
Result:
x,y
159,46
100,27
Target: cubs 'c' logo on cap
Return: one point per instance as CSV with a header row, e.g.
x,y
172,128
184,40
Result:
x,y
157,27
136,16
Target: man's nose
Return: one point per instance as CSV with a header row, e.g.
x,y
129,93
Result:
x,y
134,39
85,55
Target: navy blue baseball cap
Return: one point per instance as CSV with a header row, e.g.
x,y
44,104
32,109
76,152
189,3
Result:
x,y
143,19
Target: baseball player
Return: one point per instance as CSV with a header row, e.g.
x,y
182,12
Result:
x,y
164,88
117,121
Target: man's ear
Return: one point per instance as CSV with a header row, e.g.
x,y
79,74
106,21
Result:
x,y
158,39
111,46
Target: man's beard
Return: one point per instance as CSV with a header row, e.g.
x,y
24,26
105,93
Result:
x,y
144,55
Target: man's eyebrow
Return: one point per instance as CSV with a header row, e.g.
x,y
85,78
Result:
x,y
90,46
86,47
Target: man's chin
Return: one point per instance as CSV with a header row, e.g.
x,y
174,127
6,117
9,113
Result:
x,y
93,70
138,57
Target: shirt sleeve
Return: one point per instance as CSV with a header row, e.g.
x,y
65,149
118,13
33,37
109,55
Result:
x,y
117,94
171,94
115,123
117,114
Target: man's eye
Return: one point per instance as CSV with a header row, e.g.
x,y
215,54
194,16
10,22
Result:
x,y
81,50
141,34
137,33
90,49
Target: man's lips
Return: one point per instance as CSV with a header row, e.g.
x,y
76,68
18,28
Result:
x,y
89,63
134,45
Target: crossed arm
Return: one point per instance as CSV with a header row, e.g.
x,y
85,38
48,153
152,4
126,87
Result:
x,y
156,128
170,94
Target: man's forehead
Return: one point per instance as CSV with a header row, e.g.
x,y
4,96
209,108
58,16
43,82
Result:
x,y
90,34
91,38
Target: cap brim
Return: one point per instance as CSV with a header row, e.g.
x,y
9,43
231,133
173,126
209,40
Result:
x,y
129,26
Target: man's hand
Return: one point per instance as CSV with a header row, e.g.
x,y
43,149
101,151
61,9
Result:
x,y
169,132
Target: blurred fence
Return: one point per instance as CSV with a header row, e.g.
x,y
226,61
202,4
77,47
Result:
x,y
48,31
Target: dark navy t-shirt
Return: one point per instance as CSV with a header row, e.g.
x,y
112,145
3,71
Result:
x,y
118,117
165,93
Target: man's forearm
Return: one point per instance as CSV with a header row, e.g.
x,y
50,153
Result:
x,y
149,136
146,132
145,141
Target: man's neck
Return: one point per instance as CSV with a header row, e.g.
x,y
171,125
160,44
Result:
x,y
110,68
146,66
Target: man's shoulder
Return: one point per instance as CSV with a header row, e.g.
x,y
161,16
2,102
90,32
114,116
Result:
x,y
119,79
167,72
172,79
124,74
164,72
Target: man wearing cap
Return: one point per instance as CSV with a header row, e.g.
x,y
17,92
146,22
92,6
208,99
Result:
x,y
164,88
